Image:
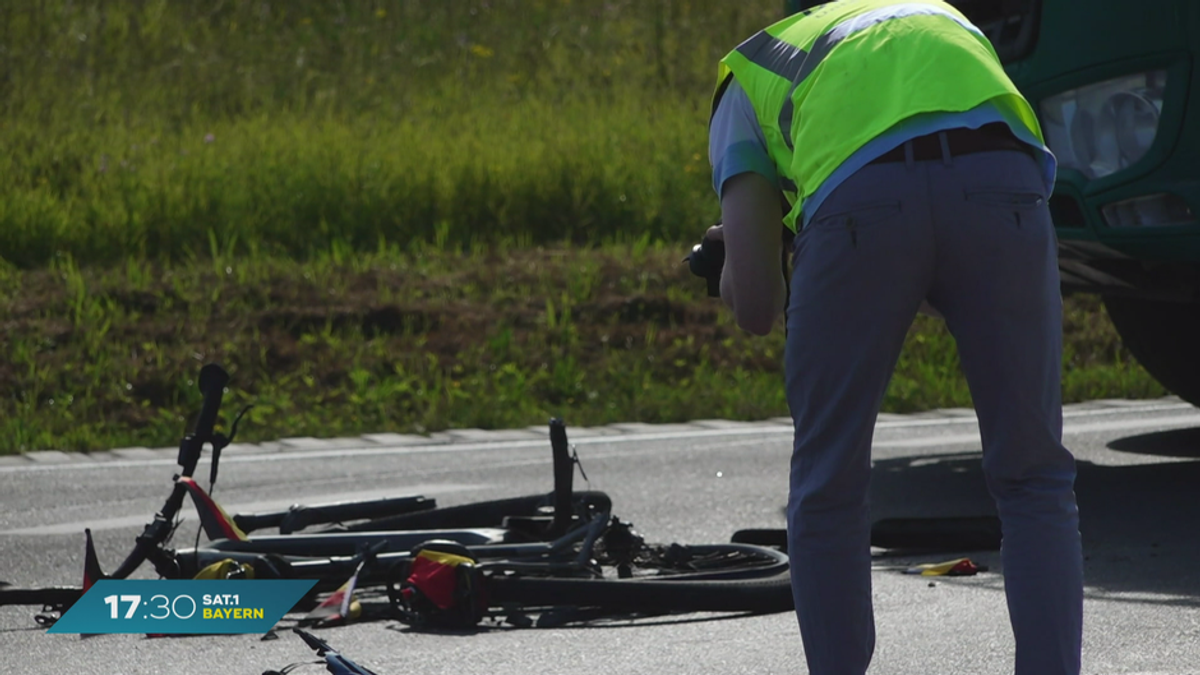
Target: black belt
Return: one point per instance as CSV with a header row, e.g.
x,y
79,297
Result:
x,y
961,141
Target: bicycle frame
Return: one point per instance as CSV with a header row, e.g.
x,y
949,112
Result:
x,y
519,539
322,553
229,533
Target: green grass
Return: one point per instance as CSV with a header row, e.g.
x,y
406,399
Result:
x,y
293,187
403,215
344,344
279,128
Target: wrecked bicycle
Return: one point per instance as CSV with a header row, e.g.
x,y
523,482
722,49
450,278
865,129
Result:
x,y
561,553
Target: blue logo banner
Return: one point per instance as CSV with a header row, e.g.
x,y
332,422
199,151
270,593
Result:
x,y
168,606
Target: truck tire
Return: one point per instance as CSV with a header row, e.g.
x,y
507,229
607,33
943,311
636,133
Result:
x,y
1165,338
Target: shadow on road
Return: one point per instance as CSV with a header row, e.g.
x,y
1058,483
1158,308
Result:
x,y
1170,443
1138,521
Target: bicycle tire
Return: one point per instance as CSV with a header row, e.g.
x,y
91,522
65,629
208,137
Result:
x,y
768,595
761,589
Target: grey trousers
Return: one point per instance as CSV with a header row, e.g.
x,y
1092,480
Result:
x,y
972,234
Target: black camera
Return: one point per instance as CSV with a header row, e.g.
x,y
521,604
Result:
x,y
706,260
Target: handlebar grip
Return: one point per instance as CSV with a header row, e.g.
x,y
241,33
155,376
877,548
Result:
x,y
211,382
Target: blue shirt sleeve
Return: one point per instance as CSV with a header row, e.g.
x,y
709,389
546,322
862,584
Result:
x,y
736,143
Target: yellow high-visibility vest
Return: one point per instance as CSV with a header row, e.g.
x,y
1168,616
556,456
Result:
x,y
825,82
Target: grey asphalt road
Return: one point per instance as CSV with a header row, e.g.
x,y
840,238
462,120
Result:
x,y
1138,478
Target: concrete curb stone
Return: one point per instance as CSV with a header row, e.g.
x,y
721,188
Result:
x,y
302,443
271,446
533,432
348,442
732,424
1119,403
138,452
491,435
645,428
393,440
249,449
311,443
52,456
589,432
955,412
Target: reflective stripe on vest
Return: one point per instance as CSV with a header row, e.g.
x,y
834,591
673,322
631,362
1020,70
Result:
x,y
793,63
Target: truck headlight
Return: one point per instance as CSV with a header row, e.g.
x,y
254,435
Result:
x,y
1157,210
1103,128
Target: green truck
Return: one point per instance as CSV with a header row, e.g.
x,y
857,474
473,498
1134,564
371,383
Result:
x,y
1119,102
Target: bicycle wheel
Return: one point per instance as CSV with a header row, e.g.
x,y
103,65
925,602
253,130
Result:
x,y
723,578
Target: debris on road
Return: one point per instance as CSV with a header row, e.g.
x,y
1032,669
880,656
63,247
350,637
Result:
x,y
959,567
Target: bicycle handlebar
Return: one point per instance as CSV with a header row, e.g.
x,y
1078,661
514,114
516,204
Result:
x,y
211,382
334,661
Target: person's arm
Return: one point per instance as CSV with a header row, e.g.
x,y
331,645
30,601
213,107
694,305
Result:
x,y
747,184
752,284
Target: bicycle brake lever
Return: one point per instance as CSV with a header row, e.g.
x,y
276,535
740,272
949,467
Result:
x,y
219,441
575,458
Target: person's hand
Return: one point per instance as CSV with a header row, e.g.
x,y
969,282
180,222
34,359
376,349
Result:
x,y
715,233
